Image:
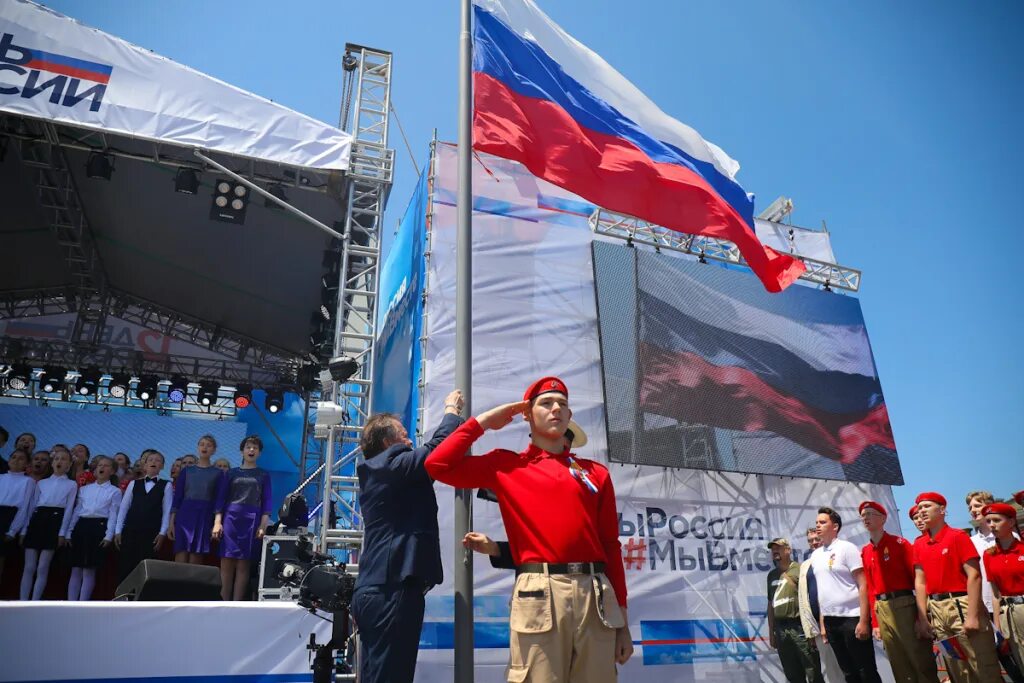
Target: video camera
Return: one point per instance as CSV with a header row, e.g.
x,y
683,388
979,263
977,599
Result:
x,y
321,583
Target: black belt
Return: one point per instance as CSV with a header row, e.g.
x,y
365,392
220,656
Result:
x,y
1012,599
946,596
561,568
892,595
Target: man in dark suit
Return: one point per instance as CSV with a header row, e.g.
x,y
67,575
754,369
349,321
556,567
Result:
x,y
401,558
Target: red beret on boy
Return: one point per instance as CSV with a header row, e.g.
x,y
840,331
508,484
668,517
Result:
x,y
1000,509
932,496
877,507
545,385
913,511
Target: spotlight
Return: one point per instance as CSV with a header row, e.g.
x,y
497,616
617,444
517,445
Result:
x,y
52,379
88,382
243,395
20,377
99,165
118,387
146,389
186,181
230,200
178,390
277,191
208,392
275,401
342,368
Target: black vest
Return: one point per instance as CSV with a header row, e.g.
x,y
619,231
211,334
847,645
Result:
x,y
147,508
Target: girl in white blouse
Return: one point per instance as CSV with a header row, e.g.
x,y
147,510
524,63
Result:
x,y
49,520
15,495
92,529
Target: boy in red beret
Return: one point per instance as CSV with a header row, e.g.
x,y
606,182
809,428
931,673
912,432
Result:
x,y
947,586
568,614
1004,565
889,569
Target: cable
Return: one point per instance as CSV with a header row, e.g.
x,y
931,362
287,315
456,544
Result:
x,y
405,139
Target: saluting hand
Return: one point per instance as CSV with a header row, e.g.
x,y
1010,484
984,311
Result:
x,y
454,402
496,418
480,543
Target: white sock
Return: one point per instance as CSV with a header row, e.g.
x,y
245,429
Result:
x,y
75,584
88,582
42,574
27,576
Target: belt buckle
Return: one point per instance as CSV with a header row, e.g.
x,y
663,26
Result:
x,y
576,567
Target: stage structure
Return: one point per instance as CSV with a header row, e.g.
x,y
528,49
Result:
x,y
174,243
553,276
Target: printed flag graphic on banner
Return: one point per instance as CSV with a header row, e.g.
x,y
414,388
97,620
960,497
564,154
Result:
x,y
545,100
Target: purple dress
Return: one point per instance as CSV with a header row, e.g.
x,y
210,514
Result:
x,y
195,494
243,496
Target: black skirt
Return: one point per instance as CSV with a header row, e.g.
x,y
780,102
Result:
x,y
7,515
44,528
86,550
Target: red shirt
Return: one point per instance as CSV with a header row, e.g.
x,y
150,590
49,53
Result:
x,y
1005,568
549,515
942,558
888,567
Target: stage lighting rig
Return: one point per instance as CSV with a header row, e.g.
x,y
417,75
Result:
x,y
147,387
118,387
342,368
99,165
52,379
230,200
20,377
88,382
208,392
178,390
243,395
274,402
186,181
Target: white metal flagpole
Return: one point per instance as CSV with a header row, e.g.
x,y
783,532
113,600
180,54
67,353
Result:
x,y
463,574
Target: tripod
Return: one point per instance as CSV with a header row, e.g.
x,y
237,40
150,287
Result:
x,y
323,654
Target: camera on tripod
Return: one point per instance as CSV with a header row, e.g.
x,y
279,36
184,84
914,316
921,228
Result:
x,y
321,583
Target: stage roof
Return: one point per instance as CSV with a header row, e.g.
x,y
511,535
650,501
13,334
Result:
x,y
73,242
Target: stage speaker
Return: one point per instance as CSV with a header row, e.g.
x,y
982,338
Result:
x,y
170,581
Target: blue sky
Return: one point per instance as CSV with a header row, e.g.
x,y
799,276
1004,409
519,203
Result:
x,y
896,123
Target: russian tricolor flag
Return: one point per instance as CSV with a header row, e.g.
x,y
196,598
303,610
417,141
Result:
x,y
545,100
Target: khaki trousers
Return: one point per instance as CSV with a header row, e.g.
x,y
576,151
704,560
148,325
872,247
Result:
x,y
563,629
947,620
911,658
1011,624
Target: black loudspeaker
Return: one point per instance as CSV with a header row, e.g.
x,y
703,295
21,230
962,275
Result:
x,y
170,581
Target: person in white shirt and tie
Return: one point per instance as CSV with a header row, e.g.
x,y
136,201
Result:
x,y
143,517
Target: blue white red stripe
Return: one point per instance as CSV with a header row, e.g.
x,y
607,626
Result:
x,y
545,100
70,66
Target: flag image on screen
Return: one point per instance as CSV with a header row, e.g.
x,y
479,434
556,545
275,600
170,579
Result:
x,y
704,369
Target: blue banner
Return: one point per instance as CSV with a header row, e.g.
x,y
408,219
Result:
x,y
400,315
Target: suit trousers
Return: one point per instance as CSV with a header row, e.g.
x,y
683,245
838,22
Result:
x,y
911,658
856,657
390,618
136,546
981,664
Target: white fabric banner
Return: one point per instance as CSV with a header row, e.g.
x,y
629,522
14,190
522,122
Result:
x,y
694,542
789,239
53,67
200,642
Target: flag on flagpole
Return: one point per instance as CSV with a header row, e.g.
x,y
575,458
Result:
x,y
547,101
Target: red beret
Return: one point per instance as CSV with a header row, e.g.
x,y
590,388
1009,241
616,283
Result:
x,y
1019,497
545,385
874,506
1000,509
932,496
913,511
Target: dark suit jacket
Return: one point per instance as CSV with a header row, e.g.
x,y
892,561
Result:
x,y
396,495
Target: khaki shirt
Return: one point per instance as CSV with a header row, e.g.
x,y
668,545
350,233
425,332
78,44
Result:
x,y
782,592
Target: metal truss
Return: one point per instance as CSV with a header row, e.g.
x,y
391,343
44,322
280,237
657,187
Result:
x,y
637,231
110,359
333,451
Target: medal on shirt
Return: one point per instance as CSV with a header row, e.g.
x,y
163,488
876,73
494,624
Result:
x,y
885,554
581,474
